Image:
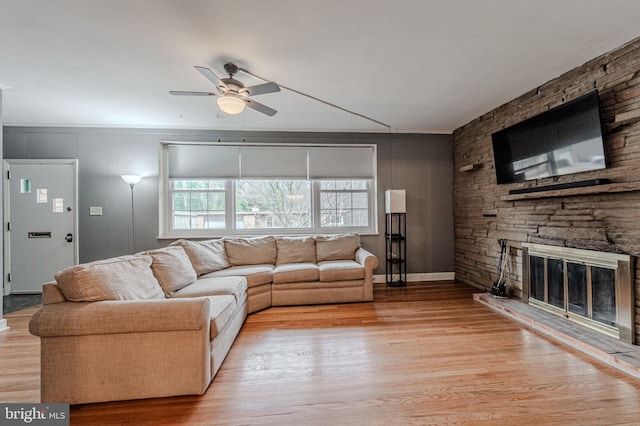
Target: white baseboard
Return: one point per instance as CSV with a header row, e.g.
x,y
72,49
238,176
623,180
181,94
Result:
x,y
426,276
3,324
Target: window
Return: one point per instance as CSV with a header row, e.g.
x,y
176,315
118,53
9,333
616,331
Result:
x,y
198,204
215,190
273,204
344,203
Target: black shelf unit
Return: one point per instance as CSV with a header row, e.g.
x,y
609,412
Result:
x,y
396,249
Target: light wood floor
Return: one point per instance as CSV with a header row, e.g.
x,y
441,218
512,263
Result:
x,y
427,354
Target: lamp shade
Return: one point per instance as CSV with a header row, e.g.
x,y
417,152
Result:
x,y
131,179
231,104
395,201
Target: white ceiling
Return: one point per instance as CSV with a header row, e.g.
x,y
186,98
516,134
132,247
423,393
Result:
x,y
417,65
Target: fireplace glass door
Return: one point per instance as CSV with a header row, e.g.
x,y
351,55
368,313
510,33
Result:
x,y
593,288
577,302
604,295
575,288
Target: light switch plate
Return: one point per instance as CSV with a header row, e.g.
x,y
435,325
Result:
x,y
95,211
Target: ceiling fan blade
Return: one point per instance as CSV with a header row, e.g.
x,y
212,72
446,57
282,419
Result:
x,y
261,89
183,93
212,77
260,107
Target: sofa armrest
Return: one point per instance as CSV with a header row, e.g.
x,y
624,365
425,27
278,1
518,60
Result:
x,y
121,316
370,262
366,259
51,293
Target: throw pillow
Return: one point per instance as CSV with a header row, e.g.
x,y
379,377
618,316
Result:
x,y
251,251
118,278
206,256
296,250
337,247
172,268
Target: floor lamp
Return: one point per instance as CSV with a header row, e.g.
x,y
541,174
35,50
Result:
x,y
132,180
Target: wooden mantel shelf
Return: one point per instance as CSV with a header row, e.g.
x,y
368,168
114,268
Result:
x,y
628,117
567,192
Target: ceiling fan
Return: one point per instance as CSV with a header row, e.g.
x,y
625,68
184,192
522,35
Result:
x,y
233,96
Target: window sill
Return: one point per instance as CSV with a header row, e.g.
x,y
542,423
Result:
x,y
274,231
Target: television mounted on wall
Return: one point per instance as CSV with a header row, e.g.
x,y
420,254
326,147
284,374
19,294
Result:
x,y
564,140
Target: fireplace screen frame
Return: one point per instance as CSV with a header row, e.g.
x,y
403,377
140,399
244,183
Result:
x,y
624,267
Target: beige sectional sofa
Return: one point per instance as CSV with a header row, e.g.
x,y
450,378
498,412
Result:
x,y
160,323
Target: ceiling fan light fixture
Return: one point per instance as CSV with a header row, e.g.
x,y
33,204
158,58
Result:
x,y
231,104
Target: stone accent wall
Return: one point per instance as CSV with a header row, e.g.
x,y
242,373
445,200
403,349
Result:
x,y
605,221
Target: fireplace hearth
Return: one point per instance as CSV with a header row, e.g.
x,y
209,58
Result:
x,y
591,288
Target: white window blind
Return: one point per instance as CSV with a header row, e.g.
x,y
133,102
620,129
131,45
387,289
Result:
x,y
273,162
194,161
203,161
341,162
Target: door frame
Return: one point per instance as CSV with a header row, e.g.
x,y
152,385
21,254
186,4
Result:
x,y
6,167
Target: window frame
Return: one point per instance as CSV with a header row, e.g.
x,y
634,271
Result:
x,y
166,193
212,191
317,188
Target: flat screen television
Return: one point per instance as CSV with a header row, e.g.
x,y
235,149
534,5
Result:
x,y
564,140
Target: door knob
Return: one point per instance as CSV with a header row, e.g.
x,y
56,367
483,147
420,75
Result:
x,y
69,237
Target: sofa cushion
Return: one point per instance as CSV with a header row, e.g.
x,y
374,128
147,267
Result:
x,y
118,278
295,272
251,251
221,310
234,286
206,256
340,270
313,286
255,274
337,247
258,298
172,268
295,250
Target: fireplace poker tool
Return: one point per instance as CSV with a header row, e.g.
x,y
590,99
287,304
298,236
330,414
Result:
x,y
499,287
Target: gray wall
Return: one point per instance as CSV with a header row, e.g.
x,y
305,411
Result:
x,y
1,209
421,164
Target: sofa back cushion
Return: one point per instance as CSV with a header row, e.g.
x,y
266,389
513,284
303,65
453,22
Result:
x,y
251,251
337,247
296,250
172,268
118,278
206,256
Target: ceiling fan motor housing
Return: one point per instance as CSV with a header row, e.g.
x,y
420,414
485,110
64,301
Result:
x,y
231,69
233,86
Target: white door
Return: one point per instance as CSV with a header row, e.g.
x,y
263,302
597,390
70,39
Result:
x,y
40,222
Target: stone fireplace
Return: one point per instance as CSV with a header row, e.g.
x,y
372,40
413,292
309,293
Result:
x,y
591,288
